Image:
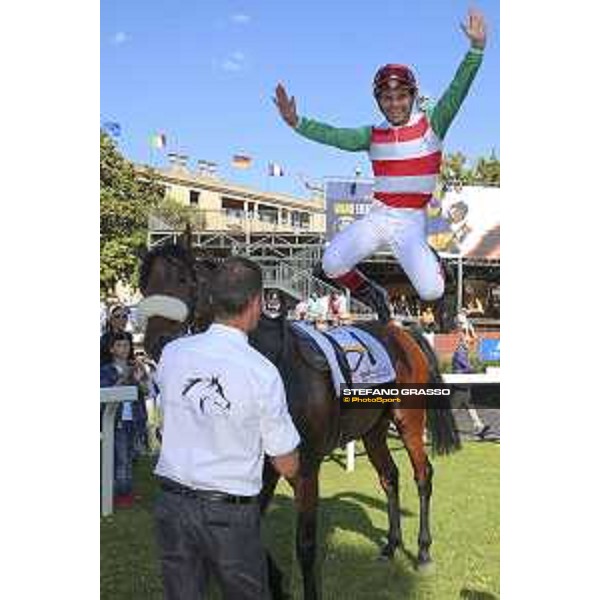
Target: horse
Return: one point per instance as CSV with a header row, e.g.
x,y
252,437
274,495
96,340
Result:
x,y
171,272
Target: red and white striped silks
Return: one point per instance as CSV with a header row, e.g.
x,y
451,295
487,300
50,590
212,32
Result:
x,y
406,161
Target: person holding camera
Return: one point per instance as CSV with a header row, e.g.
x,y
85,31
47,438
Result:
x,y
121,370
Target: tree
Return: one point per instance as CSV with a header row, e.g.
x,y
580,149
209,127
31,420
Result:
x,y
454,169
177,215
487,171
126,199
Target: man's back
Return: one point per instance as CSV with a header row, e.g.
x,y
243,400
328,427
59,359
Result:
x,y
224,407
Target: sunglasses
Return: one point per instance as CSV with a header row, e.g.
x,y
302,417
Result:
x,y
120,316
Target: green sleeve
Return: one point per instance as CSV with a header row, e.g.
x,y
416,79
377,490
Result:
x,y
445,110
353,140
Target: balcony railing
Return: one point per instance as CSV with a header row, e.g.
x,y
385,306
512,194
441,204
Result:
x,y
232,221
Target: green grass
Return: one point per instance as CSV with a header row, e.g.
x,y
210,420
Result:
x,y
353,522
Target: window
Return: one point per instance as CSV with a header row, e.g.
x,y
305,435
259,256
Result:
x,y
194,196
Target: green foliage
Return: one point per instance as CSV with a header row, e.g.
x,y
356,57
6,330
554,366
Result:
x,y
125,202
485,172
178,215
454,168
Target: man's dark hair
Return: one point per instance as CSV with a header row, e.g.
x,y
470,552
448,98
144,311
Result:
x,y
236,281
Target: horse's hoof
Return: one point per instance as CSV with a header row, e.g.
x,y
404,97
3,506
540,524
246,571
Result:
x,y
387,552
426,568
385,555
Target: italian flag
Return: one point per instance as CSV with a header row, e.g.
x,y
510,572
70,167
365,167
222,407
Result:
x,y
159,140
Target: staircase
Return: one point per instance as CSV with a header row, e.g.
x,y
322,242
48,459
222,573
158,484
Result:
x,y
294,277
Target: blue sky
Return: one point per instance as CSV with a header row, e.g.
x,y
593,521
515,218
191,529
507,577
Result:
x,y
203,72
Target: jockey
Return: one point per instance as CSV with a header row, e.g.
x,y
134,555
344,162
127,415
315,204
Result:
x,y
406,155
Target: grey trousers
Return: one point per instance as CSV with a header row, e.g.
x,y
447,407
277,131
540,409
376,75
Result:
x,y
198,536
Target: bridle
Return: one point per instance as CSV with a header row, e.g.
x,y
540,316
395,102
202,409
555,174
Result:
x,y
190,266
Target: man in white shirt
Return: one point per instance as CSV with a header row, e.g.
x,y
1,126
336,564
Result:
x,y
224,408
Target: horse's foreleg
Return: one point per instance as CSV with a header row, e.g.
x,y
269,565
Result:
x,y
411,424
375,442
306,490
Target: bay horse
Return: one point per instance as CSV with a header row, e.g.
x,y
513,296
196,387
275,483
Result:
x,y
171,276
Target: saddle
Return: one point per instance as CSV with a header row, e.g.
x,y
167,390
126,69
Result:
x,y
353,356
314,356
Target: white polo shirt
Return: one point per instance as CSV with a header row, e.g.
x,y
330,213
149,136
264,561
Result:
x,y
224,407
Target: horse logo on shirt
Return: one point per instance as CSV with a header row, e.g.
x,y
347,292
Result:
x,y
209,394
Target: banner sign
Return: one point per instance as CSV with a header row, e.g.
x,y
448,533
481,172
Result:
x,y
489,350
346,201
460,220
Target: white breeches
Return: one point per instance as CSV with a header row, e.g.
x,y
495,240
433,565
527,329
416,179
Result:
x,y
405,231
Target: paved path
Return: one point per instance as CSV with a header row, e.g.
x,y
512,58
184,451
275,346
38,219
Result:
x,y
490,416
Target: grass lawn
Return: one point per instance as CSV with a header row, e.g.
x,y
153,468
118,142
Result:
x,y
465,518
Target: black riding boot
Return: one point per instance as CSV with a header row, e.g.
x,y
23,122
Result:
x,y
375,297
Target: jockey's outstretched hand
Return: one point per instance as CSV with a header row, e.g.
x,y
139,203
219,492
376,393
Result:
x,y
286,106
475,28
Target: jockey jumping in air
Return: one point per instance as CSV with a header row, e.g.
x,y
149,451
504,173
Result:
x,y
406,155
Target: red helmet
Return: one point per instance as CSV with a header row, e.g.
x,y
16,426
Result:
x,y
394,76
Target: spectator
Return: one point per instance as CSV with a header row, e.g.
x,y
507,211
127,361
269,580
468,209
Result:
x,y
473,303
323,307
462,393
117,322
464,325
130,415
417,310
335,308
301,310
313,311
344,312
224,408
273,305
403,307
428,320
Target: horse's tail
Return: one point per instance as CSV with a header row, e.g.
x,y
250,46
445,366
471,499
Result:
x,y
441,424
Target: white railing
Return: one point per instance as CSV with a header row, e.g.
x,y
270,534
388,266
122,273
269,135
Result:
x,y
231,220
111,397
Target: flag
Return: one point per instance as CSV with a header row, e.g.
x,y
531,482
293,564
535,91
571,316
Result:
x,y
112,128
159,140
275,170
241,161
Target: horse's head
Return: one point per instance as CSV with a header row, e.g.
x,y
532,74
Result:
x,y
176,299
